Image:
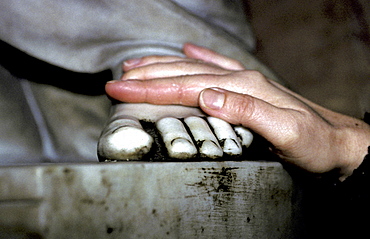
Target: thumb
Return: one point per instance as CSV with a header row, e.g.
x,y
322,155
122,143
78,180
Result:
x,y
260,116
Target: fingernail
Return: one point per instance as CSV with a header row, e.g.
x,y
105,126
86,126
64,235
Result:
x,y
212,98
132,62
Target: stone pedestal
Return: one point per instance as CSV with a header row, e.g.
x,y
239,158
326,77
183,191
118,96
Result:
x,y
149,200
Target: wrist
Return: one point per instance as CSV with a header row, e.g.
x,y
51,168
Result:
x,y
354,147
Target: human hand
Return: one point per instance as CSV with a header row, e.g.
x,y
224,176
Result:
x,y
301,132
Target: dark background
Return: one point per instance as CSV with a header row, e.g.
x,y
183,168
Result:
x,y
320,47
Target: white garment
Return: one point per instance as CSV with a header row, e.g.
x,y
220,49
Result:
x,y
94,35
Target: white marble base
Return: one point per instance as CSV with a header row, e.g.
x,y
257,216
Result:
x,y
149,200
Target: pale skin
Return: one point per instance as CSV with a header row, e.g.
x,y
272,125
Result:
x,y
301,132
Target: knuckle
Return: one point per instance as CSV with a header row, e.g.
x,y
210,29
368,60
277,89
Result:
x,y
257,76
237,65
292,136
251,77
243,109
292,131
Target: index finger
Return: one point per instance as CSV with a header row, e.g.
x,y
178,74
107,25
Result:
x,y
180,90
